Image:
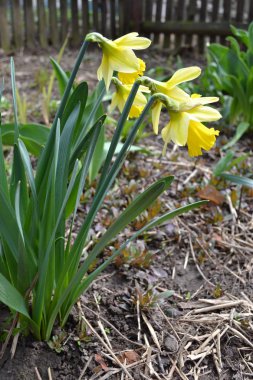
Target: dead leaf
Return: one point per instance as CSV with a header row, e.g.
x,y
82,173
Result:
x,y
210,193
100,360
129,357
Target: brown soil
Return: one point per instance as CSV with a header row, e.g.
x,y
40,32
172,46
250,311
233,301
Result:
x,y
205,330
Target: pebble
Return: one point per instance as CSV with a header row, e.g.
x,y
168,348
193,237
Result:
x,y
171,343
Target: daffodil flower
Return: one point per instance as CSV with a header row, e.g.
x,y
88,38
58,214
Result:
x,y
118,55
171,90
130,78
121,94
185,126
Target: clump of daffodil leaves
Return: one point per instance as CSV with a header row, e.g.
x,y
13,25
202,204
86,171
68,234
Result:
x,y
46,264
187,113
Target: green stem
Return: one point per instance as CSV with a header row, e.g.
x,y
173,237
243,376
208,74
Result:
x,y
117,133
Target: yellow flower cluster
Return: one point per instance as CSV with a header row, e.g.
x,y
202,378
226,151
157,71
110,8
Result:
x,y
185,125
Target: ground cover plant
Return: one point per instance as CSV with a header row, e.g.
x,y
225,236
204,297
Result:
x,y
118,304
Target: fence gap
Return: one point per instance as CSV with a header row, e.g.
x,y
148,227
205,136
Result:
x,y
168,17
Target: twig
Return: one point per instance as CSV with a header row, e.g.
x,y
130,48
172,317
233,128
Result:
x,y
37,373
108,348
196,263
113,327
152,331
240,335
49,373
9,335
168,321
217,307
85,368
104,334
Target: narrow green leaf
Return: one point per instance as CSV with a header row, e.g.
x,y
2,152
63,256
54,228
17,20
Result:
x,y
240,130
61,76
97,158
8,226
14,99
223,163
79,95
11,297
239,180
28,167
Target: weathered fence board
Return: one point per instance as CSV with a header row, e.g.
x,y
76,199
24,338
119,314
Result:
x,y
4,32
170,23
42,23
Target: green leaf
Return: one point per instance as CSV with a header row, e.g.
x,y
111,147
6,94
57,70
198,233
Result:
x,y
241,34
223,163
14,99
11,297
8,225
33,135
79,95
245,181
98,157
61,76
240,130
28,167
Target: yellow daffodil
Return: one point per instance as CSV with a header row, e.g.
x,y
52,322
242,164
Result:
x,y
130,78
171,90
118,55
119,98
185,126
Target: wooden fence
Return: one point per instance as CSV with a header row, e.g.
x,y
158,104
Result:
x,y
170,23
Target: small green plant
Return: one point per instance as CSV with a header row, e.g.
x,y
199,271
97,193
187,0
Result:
x,y
42,269
231,71
150,298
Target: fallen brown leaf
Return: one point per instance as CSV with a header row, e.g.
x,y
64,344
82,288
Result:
x,y
100,360
129,357
210,193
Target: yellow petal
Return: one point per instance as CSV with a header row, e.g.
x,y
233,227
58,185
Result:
x,y
204,113
123,60
177,94
184,75
198,101
105,71
177,129
156,110
200,137
140,99
114,102
132,41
